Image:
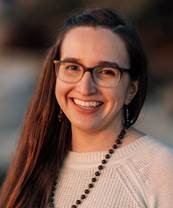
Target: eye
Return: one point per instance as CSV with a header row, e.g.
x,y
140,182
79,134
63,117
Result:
x,y
108,71
72,67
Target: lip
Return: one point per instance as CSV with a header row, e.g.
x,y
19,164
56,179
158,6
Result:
x,y
85,110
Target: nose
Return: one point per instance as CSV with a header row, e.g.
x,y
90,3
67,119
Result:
x,y
86,85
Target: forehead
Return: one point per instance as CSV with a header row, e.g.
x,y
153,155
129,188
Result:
x,y
94,44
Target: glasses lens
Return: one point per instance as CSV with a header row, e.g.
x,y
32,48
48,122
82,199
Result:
x,y
69,72
107,76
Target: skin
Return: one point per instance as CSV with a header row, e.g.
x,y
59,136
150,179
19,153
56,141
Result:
x,y
95,129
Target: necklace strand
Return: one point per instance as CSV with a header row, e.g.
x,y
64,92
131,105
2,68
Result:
x,y
117,144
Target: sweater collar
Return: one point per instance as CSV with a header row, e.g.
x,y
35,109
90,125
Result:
x,y
92,159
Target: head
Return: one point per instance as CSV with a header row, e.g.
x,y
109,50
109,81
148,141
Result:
x,y
105,19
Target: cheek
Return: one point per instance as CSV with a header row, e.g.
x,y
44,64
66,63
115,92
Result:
x,y
62,93
119,94
123,90
118,98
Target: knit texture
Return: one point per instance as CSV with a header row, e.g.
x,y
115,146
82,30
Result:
x,y
138,175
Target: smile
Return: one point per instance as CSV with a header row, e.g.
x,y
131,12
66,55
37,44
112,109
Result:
x,y
87,104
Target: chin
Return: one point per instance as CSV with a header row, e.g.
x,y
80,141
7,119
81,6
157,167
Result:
x,y
86,126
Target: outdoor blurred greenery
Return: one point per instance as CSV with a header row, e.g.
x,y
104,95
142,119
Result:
x,y
27,30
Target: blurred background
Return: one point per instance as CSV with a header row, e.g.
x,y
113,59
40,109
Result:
x,y
27,30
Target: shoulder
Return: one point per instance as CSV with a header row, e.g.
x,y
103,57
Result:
x,y
155,162
155,150
154,158
162,158
160,174
150,165
161,152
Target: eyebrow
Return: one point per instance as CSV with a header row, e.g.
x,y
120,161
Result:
x,y
101,62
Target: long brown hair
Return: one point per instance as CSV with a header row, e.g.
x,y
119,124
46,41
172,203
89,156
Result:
x,y
45,142
42,147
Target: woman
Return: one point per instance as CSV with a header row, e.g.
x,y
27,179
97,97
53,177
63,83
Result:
x,y
78,147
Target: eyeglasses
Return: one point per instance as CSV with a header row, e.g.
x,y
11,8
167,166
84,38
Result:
x,y
105,75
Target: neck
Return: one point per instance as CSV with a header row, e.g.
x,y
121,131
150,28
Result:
x,y
87,141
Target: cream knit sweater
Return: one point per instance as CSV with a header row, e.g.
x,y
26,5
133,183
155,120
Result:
x,y
138,175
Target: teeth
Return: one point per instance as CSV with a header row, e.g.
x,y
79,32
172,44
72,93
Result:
x,y
87,104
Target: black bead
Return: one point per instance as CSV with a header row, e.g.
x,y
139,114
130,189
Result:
x,y
93,179
114,146
78,201
51,200
118,141
107,156
100,167
53,188
54,183
73,206
123,132
51,204
52,194
97,173
83,196
120,136
90,185
111,151
104,161
87,191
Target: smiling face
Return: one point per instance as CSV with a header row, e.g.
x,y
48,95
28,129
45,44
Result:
x,y
90,107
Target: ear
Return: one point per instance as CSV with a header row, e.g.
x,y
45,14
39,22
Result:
x,y
131,91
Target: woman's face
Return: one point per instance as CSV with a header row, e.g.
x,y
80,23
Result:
x,y
90,107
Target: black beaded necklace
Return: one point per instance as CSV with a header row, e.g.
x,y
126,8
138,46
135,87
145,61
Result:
x,y
116,145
